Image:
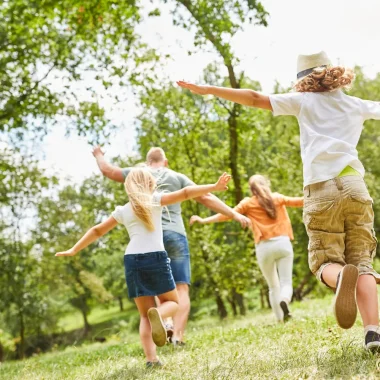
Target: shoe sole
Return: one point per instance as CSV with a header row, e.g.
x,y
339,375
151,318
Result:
x,y
345,308
158,327
286,311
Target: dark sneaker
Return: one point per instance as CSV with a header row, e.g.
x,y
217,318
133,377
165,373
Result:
x,y
158,327
285,309
345,308
178,343
169,331
372,341
153,364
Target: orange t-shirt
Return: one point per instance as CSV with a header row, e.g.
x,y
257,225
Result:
x,y
263,226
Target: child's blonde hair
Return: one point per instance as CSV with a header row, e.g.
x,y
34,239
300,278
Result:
x,y
139,186
325,79
260,187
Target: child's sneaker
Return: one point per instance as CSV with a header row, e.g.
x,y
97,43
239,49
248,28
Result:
x,y
345,308
178,343
154,364
285,309
158,327
372,341
169,331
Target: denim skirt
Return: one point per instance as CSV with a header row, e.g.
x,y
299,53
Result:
x,y
148,274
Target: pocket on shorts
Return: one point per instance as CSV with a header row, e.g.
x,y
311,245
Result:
x,y
319,207
362,198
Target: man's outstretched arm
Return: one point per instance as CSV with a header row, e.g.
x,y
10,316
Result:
x,y
108,170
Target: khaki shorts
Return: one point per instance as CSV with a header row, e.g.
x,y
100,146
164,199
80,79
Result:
x,y
338,216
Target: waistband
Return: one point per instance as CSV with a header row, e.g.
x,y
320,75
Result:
x,y
145,256
338,182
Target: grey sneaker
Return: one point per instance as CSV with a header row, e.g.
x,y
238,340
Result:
x,y
154,364
158,327
372,341
345,308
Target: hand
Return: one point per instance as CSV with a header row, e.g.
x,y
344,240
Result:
x,y
194,88
243,220
196,219
221,185
97,151
69,252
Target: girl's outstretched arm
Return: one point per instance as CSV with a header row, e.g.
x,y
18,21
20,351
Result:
x,y
293,201
195,191
217,218
94,233
245,97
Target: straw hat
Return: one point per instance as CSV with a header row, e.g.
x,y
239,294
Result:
x,y
307,63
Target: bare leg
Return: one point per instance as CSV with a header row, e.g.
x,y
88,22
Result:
x,y
144,304
182,315
366,295
330,274
168,304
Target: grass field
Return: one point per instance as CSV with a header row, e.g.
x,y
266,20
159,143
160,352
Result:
x,y
310,346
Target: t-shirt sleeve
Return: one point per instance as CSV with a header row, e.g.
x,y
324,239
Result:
x,y
371,110
125,172
283,200
242,207
118,214
286,104
184,181
157,198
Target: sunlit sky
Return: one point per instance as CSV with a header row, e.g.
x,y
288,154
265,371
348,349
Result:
x,y
349,31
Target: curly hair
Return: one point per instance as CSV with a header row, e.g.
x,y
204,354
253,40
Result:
x,y
325,79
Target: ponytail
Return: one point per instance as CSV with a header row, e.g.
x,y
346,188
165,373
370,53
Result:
x,y
139,186
260,187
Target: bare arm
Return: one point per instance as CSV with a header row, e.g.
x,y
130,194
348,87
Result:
x,y
94,233
247,97
215,204
217,218
108,170
293,201
195,191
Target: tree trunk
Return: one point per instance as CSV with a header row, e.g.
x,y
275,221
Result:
x,y
234,154
121,305
232,302
239,300
21,346
222,311
298,293
1,353
84,310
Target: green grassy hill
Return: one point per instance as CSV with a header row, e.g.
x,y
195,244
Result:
x,y
310,346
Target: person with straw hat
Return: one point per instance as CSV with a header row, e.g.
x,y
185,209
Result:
x,y
338,212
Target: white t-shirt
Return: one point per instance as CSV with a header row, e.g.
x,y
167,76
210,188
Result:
x,y
330,127
141,239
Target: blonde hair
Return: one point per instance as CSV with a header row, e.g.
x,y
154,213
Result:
x,y
260,187
139,186
325,79
154,155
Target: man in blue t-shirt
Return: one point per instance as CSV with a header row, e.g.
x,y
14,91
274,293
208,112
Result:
x,y
175,240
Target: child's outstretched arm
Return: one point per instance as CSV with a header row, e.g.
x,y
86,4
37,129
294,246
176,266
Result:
x,y
293,201
245,97
217,218
195,191
94,233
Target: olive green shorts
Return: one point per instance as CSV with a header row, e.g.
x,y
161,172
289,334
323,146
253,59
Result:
x,y
338,216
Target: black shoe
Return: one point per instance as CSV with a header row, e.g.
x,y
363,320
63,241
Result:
x,y
372,341
285,309
153,364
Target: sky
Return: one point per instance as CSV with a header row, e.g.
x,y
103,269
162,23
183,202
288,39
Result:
x,y
349,31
